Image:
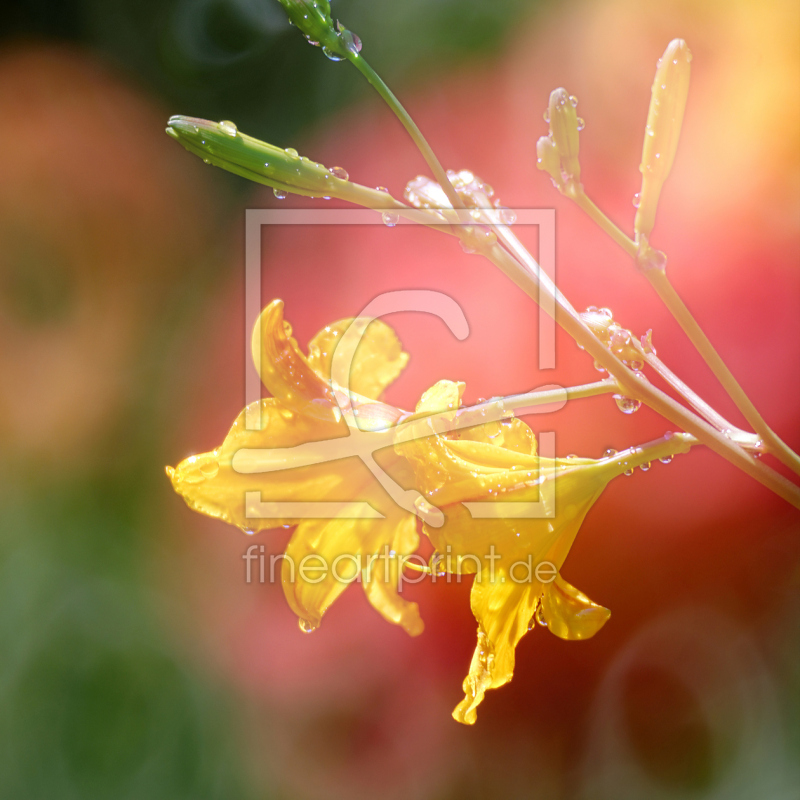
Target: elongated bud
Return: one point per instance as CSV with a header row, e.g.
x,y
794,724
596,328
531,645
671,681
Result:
x,y
664,120
221,144
564,127
313,20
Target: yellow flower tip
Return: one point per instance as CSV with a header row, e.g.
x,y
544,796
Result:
x,y
564,130
547,159
664,120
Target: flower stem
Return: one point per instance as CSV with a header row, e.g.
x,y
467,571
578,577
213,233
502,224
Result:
x,y
659,281
408,123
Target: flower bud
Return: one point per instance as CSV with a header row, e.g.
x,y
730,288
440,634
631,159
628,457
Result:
x,y
313,20
221,144
564,127
664,120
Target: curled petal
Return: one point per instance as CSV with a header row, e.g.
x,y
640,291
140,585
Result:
x,y
371,349
285,371
569,613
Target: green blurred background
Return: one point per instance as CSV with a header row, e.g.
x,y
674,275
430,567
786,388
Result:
x,y
134,663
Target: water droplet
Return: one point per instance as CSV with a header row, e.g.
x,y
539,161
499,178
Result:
x,y
606,312
628,473
546,116
620,338
210,469
206,161
437,563
627,405
540,615
637,198
340,173
351,42
507,216
427,513
466,248
581,124
573,100
644,467
390,219
228,127
610,452
291,152
331,54
306,626
665,459
599,367
280,194
381,189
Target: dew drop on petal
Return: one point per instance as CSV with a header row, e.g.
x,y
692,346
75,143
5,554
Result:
x,y
636,200
333,56
280,194
644,467
291,152
610,452
573,100
390,219
628,473
340,173
306,626
665,459
581,124
546,115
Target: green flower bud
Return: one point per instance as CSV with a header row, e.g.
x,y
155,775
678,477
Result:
x,y
664,120
221,144
313,20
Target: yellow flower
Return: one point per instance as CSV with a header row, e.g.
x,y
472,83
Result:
x,y
516,561
306,406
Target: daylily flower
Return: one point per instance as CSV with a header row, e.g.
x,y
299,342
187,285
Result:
x,y
313,442
306,407
517,561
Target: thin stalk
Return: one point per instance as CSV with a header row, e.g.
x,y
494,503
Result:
x,y
666,292
749,441
659,281
408,123
643,391
567,317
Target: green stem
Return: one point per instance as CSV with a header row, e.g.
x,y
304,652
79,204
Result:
x,y
386,93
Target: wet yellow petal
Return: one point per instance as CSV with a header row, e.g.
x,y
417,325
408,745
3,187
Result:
x,y
380,582
504,610
569,613
372,349
324,556
285,371
210,485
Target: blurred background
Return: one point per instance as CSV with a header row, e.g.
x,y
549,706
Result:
x,y
134,659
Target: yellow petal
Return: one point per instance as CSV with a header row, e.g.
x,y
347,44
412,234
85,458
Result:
x,y
285,371
504,610
210,485
380,581
569,613
373,351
